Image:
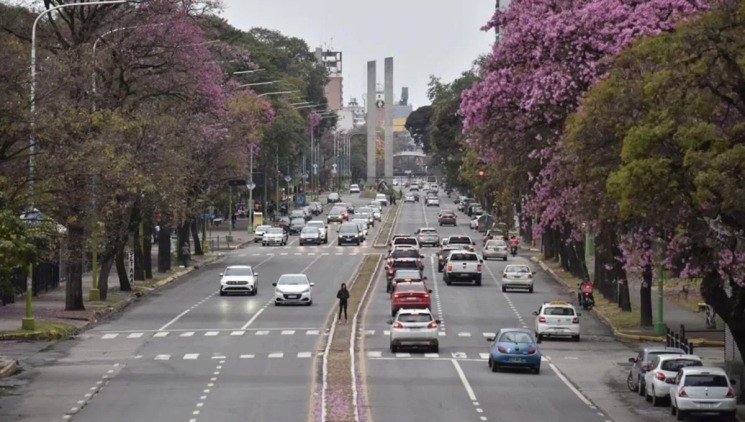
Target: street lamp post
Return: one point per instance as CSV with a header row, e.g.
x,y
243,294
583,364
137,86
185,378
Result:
x,y
659,325
278,93
28,323
251,185
287,179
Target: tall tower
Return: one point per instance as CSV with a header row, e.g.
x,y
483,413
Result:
x,y
388,140
371,123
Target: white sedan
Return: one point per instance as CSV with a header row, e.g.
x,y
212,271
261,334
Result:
x,y
293,289
354,189
556,318
239,279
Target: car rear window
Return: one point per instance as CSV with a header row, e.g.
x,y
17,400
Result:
x,y
675,364
558,310
463,257
428,231
405,264
415,318
415,287
516,269
405,253
515,337
405,241
275,230
404,273
459,239
705,380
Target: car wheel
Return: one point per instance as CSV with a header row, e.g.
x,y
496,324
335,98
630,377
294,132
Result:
x,y
681,415
504,289
630,382
530,289
537,370
494,367
672,410
640,387
310,302
447,281
435,349
393,312
647,397
656,401
276,303
538,337
576,338
478,281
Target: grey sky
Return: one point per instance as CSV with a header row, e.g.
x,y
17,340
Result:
x,y
439,37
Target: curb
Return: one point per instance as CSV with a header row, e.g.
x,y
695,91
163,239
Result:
x,y
9,369
622,335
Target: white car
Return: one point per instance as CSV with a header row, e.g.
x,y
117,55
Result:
x,y
382,199
474,224
409,198
293,289
517,277
377,210
364,224
662,367
274,236
702,389
414,327
354,189
322,227
259,232
239,279
556,318
432,201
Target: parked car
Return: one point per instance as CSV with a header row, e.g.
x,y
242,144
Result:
x,y
514,347
333,198
259,232
414,327
496,249
293,289
661,368
702,390
517,276
239,279
354,189
641,364
274,236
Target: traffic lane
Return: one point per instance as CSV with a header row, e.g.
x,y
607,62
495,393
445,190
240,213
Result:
x,y
417,390
150,391
521,395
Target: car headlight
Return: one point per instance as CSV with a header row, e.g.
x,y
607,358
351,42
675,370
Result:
x,y
306,290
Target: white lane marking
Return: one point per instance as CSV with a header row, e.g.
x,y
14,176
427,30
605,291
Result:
x,y
191,356
442,334
109,336
484,355
187,334
312,333
386,332
288,332
331,243
311,253
464,334
256,315
374,354
304,354
262,333
237,333
369,332
464,380
403,355
176,318
276,355
569,384
440,314
283,254
162,357
218,357
325,254
247,356
489,334
431,355
297,254
459,355
161,334
211,333
135,335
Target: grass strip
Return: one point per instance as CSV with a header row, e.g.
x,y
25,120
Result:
x,y
381,240
43,330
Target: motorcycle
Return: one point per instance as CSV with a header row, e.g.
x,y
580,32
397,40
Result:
x,y
586,298
513,250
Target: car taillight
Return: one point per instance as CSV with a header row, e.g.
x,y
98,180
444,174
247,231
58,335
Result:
x,y
531,350
730,394
682,393
437,235
530,275
502,349
390,271
450,267
478,267
471,248
396,295
398,325
587,294
660,376
575,320
426,295
541,319
432,325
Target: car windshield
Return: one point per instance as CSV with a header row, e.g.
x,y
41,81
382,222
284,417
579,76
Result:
x,y
414,287
705,380
414,318
337,210
275,230
237,271
318,224
263,228
558,310
515,337
309,230
298,221
347,228
674,365
405,253
364,209
292,280
516,269
463,257
297,212
404,274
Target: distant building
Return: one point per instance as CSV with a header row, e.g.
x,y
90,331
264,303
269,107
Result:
x,y
351,116
332,60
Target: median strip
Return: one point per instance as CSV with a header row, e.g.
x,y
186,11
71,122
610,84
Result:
x,y
381,240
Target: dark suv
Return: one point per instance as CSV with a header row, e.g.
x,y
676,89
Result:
x,y
350,233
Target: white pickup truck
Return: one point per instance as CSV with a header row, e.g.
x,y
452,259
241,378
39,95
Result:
x,y
463,266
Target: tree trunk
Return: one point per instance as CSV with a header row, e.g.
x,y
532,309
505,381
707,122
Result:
x,y
164,249
624,296
122,270
147,252
137,248
730,308
195,236
103,276
183,237
645,292
74,285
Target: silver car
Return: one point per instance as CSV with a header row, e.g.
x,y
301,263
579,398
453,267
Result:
x,y
495,249
274,236
414,327
239,279
517,277
362,222
293,289
310,234
259,232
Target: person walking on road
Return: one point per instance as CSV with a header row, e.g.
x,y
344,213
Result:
x,y
343,296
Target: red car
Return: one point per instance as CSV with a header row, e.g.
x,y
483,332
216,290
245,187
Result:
x,y
410,294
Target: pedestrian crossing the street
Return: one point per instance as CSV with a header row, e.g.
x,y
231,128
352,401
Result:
x,y
257,332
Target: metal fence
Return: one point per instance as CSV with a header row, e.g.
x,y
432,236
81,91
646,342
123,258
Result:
x,y
679,340
46,276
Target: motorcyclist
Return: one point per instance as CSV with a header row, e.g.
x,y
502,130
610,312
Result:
x,y
585,287
514,242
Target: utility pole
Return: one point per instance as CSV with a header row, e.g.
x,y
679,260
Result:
x,y
251,185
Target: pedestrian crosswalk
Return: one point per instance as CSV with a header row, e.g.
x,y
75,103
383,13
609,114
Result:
x,y
200,356
256,332
377,354
338,252
276,355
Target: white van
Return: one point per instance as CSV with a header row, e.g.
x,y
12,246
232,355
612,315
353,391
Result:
x,y
382,199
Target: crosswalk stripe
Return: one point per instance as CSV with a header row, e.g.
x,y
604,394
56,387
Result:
x,y
191,356
442,334
431,355
162,357
211,333
369,332
339,253
247,356
135,335
276,355
284,254
187,334
110,336
489,334
297,254
484,355
325,254
374,354
262,333
403,355
303,354
459,355
386,332
161,334
311,333
288,332
311,253
218,357
462,334
237,333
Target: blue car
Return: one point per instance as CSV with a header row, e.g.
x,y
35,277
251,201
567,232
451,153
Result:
x,y
514,347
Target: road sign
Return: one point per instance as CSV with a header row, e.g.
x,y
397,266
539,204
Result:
x,y
288,178
250,185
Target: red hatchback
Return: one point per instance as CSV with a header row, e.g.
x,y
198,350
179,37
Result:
x,y
410,294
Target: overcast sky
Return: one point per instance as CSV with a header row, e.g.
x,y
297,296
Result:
x,y
424,37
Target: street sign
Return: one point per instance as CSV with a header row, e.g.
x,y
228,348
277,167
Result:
x,y
288,178
250,185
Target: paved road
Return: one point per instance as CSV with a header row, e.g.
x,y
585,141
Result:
x,y
188,354
456,383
